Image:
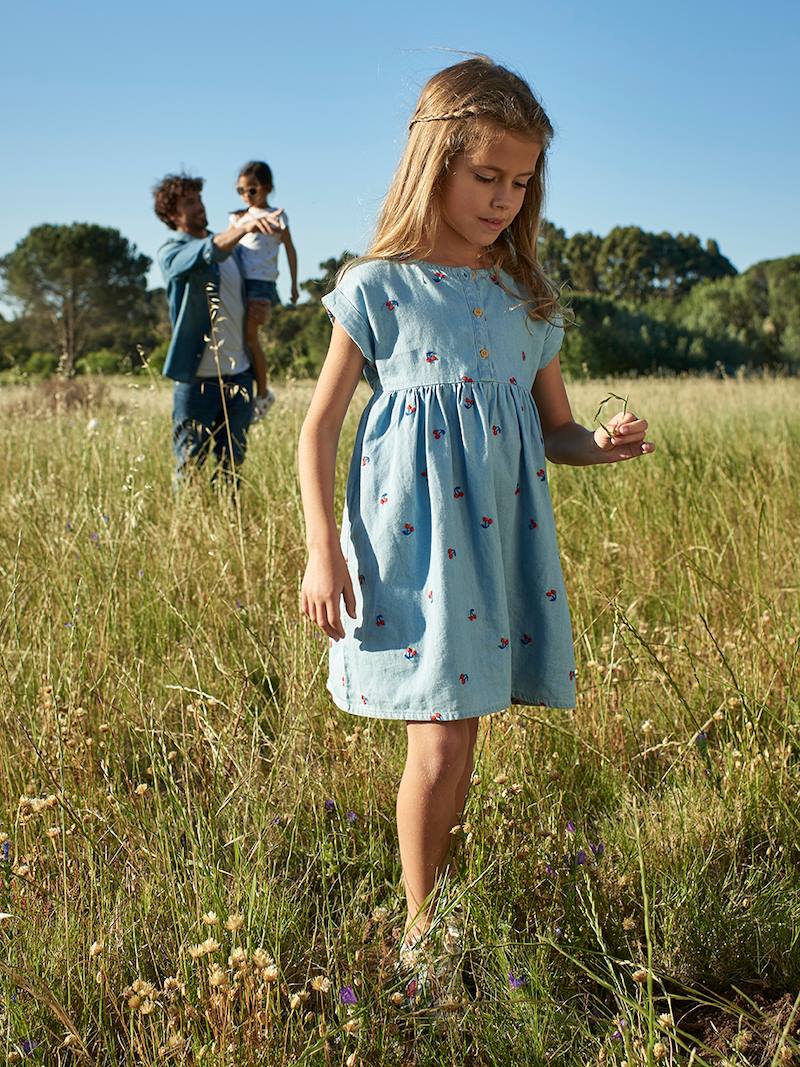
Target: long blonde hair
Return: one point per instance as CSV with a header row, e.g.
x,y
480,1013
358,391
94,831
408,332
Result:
x,y
464,108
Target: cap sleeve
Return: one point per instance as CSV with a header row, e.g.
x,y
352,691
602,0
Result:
x,y
348,304
553,338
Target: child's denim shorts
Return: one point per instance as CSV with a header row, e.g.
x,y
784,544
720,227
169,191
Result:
x,y
256,289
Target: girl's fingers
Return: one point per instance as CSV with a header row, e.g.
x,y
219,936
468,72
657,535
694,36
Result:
x,y
349,598
333,624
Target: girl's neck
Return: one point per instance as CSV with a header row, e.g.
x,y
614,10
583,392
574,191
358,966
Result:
x,y
449,256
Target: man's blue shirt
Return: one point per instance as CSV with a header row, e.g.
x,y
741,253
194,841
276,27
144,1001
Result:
x,y
188,265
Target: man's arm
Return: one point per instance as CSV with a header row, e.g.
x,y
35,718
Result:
x,y
181,257
226,241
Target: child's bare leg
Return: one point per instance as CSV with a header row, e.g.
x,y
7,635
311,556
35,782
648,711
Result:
x,y
257,314
426,811
462,789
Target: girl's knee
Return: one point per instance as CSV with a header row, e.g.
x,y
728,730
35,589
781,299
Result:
x,y
443,747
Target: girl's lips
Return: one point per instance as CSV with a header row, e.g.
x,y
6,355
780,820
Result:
x,y
494,224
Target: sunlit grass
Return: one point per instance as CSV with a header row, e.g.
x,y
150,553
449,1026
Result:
x,y
173,881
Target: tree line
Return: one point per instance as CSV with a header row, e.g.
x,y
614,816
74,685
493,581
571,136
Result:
x,y
638,302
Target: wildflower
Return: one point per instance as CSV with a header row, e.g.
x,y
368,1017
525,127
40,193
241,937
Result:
x,y
514,981
238,958
27,1046
351,816
665,1019
580,858
570,827
270,973
397,999
261,960
210,918
203,949
351,1060
659,1050
321,984
549,869
234,923
53,832
347,995
217,978
629,923
379,915
647,726
598,850
277,821
96,949
640,976
330,805
94,536
295,1001
501,779
141,789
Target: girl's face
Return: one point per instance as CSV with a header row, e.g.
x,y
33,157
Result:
x,y
253,194
483,193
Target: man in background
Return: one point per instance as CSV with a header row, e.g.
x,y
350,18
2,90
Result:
x,y
208,361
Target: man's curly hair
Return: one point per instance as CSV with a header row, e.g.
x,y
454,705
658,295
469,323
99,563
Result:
x,y
169,191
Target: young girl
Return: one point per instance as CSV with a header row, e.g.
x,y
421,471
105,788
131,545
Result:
x,y
259,258
447,561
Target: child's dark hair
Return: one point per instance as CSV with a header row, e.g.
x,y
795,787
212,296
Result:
x,y
258,171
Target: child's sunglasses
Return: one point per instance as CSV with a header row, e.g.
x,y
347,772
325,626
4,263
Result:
x,y
251,190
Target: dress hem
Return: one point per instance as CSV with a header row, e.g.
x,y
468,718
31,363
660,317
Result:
x,y
447,716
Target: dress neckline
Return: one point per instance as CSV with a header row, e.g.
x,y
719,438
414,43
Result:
x,y
449,266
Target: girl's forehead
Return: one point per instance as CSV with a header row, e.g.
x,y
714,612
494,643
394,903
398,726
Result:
x,y
504,147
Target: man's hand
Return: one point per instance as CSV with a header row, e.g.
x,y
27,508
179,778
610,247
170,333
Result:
x,y
267,224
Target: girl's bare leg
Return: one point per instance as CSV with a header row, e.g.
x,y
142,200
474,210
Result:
x,y
257,315
427,805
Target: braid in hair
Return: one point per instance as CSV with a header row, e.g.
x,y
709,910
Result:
x,y
463,113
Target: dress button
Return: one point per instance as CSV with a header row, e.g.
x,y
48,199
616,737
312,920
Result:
x,y
477,312
484,353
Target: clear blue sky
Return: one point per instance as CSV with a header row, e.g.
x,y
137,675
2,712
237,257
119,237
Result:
x,y
683,117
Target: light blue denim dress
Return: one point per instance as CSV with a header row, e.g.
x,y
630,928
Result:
x,y
448,527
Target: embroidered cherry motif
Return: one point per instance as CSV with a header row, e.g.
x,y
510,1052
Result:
x,y
391,305
503,642
407,528
466,378
424,474
486,522
523,357
526,639
363,699
364,461
572,675
472,614
410,653
517,490
383,498
458,492
463,678
551,595
451,553
361,579
497,430
410,409
438,275
438,434
435,717
379,620
430,594
540,474
513,381
431,357
532,524
468,401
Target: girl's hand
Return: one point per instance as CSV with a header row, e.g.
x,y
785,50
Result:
x,y
295,294
624,439
326,580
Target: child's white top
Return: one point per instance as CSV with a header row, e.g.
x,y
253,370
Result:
x,y
259,251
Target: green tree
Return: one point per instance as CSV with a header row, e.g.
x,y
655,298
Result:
x,y
551,247
78,286
581,253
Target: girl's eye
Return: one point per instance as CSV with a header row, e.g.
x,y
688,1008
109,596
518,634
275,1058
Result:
x,y
483,178
521,185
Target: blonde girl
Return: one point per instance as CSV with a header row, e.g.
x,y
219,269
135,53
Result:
x,y
447,562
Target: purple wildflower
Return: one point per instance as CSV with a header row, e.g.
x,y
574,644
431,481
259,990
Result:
x,y
351,816
598,850
570,827
277,820
27,1046
70,625
330,805
6,849
580,858
549,868
68,527
140,574
347,996
701,737
559,932
94,536
514,981
106,519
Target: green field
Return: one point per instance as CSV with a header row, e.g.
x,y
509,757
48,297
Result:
x,y
168,747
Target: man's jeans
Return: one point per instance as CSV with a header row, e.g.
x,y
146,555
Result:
x,y
207,418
